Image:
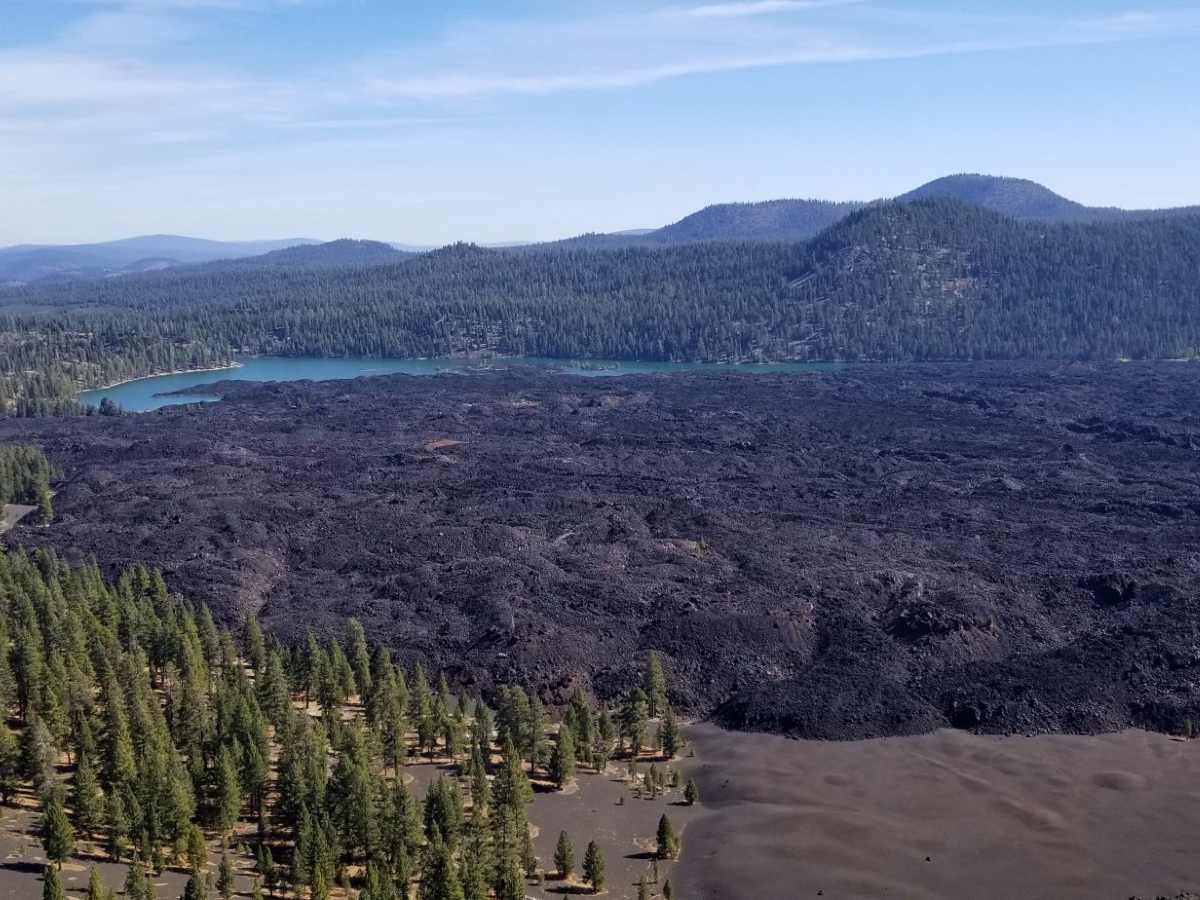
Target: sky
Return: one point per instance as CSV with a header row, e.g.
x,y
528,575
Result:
x,y
426,122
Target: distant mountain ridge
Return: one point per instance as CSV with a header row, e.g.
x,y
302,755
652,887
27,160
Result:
x,y
800,220
34,262
786,221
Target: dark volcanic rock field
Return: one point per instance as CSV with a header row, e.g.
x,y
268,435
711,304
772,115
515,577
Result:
x,y
874,551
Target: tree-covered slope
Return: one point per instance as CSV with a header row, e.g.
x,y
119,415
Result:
x,y
912,281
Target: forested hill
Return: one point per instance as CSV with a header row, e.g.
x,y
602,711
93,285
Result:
x,y
333,254
916,281
942,280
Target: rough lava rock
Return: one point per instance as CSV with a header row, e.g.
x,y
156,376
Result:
x,y
872,551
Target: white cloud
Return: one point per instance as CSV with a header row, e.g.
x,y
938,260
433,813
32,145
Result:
x,y
761,8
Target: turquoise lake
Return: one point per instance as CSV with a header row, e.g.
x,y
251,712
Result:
x,y
144,394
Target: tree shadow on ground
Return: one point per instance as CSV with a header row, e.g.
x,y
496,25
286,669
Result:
x,y
26,868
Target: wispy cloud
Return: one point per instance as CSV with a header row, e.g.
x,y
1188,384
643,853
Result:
x,y
1139,23
124,67
761,8
162,6
624,50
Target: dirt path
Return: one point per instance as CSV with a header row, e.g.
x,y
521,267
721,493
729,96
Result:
x,y
945,815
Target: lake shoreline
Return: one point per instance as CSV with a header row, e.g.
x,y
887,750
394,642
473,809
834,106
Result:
x,y
151,392
117,384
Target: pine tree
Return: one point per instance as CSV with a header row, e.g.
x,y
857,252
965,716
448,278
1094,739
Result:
x,y
197,850
45,505
691,793
421,701
228,792
360,659
562,760
656,685
580,716
633,720
439,875
379,884
668,843
116,824
343,674
604,727
593,867
668,892
87,804
474,878
535,728
136,885
58,836
564,856
255,646
225,877
39,755
196,887
669,733
511,794
443,810
510,881
10,763
52,888
314,662
96,889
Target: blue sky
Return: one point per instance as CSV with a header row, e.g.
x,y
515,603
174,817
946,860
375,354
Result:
x,y
426,122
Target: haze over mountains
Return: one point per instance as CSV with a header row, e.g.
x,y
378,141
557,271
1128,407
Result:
x,y
773,220
31,262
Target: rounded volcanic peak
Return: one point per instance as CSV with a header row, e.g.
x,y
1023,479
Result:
x,y
770,220
1019,198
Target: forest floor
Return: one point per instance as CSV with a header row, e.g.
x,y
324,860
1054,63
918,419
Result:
x,y
932,817
873,551
607,807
